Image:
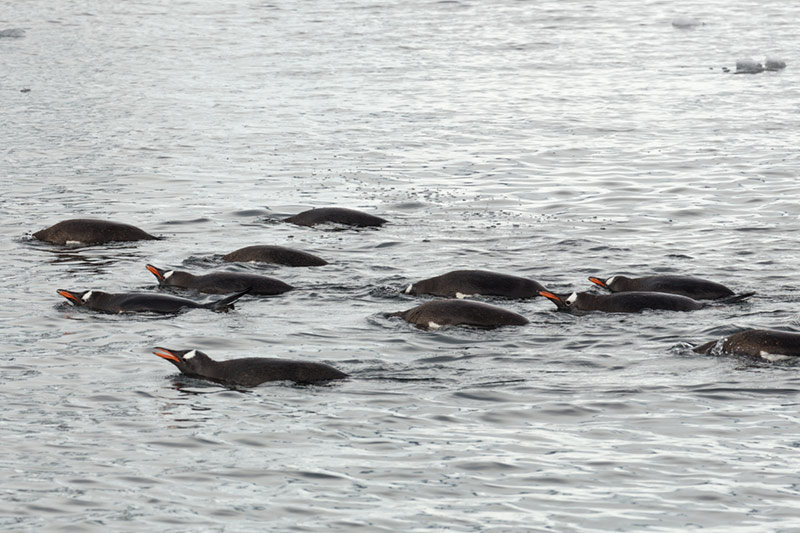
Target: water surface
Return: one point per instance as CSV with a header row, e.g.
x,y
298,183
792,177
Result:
x,y
551,140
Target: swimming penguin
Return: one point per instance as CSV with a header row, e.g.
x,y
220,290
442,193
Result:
x,y
335,215
219,282
767,344
91,231
12,33
696,288
274,254
438,313
249,371
622,302
462,283
143,302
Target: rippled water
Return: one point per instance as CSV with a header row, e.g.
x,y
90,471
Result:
x,y
553,140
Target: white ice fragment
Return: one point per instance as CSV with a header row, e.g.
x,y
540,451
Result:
x,y
684,22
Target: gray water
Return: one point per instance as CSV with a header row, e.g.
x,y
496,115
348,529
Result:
x,y
553,140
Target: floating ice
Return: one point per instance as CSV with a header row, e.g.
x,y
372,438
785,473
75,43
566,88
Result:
x,y
685,22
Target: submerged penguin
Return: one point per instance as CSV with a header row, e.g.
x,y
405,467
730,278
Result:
x,y
143,302
335,215
91,231
767,344
248,371
219,282
462,283
695,288
622,302
438,313
274,254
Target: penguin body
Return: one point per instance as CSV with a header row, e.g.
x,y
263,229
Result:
x,y
91,231
622,302
274,254
771,345
438,313
335,215
143,302
248,371
461,283
695,288
220,282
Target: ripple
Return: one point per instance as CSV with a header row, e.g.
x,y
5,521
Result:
x,y
556,143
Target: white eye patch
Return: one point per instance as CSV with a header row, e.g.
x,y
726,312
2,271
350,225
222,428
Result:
x,y
610,280
189,355
572,298
85,297
168,274
408,289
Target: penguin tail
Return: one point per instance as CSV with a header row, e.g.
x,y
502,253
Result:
x,y
226,304
736,298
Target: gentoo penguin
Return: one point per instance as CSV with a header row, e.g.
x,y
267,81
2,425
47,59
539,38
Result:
x,y
143,302
622,302
91,231
695,288
219,282
462,283
438,313
767,344
274,254
249,371
335,215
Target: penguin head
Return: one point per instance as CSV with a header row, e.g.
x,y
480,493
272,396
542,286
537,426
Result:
x,y
563,303
187,361
76,298
614,283
161,275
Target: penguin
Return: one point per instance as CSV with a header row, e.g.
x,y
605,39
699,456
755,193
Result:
x,y
766,344
143,302
248,371
219,282
91,231
274,254
438,313
623,302
695,288
462,283
335,215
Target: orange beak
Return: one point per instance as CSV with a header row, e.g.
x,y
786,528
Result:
x,y
68,295
166,354
154,271
598,281
550,296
